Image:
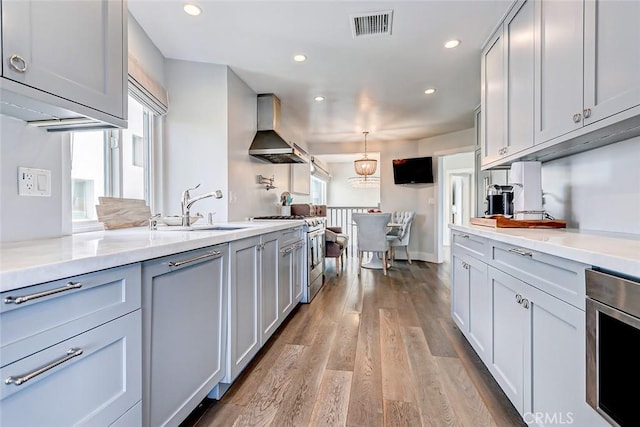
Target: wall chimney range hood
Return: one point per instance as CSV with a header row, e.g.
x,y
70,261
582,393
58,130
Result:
x,y
268,144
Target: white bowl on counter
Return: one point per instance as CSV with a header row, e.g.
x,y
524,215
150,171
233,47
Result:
x,y
175,220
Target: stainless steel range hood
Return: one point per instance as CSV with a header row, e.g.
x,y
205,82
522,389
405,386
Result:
x,y
268,144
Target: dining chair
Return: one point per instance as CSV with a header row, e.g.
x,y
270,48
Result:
x,y
372,235
399,236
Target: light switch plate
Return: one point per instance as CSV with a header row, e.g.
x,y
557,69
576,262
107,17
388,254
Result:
x,y
34,182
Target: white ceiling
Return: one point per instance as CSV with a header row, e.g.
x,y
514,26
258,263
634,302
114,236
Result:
x,y
375,84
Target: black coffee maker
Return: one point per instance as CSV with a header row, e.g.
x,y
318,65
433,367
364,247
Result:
x,y
499,200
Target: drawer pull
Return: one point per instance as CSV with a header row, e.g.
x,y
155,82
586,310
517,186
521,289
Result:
x,y
464,236
71,353
525,303
519,298
19,300
287,250
520,252
212,254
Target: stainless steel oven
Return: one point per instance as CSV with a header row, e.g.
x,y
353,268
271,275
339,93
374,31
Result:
x,y
613,347
315,261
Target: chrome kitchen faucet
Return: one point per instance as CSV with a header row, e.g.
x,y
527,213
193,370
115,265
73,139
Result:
x,y
187,201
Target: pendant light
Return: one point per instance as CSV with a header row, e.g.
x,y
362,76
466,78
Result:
x,y
365,166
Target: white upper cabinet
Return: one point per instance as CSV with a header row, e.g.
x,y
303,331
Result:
x,y
507,86
558,82
611,58
493,98
519,39
67,54
587,63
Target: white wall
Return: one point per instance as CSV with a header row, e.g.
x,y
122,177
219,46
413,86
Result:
x,y
146,53
597,189
23,217
195,145
341,193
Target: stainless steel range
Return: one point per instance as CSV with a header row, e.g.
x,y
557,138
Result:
x,y
314,228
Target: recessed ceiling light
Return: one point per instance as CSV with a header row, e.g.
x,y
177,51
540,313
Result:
x,y
192,9
452,43
430,91
300,58
319,98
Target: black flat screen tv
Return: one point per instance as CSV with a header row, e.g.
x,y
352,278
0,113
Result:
x,y
417,170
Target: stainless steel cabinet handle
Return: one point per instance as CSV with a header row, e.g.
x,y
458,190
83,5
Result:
x,y
71,353
212,254
519,298
525,303
18,63
287,250
520,252
19,300
586,113
577,117
464,236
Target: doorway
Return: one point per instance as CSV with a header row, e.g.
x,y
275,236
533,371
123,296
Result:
x,y
456,193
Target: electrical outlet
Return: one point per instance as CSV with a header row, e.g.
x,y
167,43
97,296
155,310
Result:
x,y
34,182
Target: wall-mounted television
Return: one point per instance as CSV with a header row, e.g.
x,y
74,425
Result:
x,y
417,170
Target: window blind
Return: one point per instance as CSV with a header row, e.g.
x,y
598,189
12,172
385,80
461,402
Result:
x,y
146,90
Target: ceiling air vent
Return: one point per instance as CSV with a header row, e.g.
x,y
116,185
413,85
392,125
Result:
x,y
372,24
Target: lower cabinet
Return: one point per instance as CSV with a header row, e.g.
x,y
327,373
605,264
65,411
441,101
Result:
x,y
70,350
184,307
532,342
94,378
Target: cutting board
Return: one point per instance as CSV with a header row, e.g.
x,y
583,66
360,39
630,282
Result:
x,y
122,213
502,222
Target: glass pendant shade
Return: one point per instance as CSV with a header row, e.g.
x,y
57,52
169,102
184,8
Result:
x,y
365,166
364,181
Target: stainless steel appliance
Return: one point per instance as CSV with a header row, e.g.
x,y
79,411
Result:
x,y
613,346
268,144
314,228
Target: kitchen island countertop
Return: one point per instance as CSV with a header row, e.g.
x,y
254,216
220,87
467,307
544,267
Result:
x,y
30,262
612,251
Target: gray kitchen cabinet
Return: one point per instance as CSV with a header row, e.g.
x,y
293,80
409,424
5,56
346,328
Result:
x,y
82,331
508,331
470,292
286,275
270,271
519,58
559,65
493,98
244,305
587,64
611,58
184,327
523,313
65,59
507,86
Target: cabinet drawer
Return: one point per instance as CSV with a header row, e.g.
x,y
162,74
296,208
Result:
x,y
95,388
559,277
289,236
98,298
475,246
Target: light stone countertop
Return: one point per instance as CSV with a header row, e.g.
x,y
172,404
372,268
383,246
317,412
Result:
x,y
616,252
32,262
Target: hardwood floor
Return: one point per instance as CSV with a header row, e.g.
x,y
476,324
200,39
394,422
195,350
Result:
x,y
368,351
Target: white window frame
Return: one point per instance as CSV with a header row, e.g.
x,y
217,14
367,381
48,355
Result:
x,y
113,170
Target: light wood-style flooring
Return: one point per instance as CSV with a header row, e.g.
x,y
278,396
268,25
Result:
x,y
368,351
